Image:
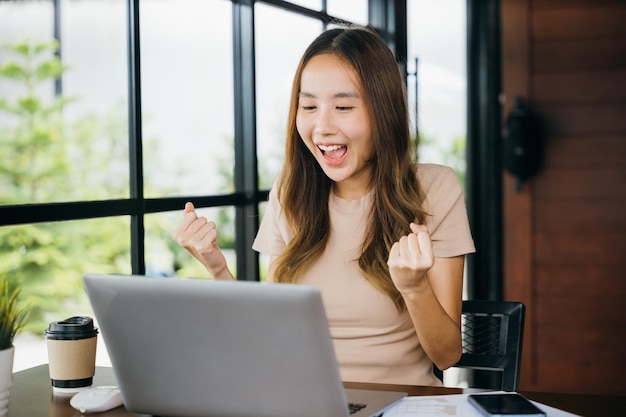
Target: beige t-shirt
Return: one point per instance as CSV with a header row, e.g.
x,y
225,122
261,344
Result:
x,y
373,342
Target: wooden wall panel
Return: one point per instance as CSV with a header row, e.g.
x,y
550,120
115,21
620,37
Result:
x,y
580,278
566,217
583,119
598,247
574,353
578,23
582,184
572,315
575,209
572,151
580,87
561,376
580,55
538,5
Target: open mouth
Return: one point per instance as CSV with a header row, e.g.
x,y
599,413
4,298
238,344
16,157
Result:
x,y
333,152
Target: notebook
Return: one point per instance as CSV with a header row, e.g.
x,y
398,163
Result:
x,y
192,347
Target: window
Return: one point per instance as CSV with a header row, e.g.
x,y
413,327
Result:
x,y
64,128
187,97
157,113
437,49
273,82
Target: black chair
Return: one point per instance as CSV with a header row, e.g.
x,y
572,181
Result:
x,y
493,332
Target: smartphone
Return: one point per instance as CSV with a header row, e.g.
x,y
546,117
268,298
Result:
x,y
509,404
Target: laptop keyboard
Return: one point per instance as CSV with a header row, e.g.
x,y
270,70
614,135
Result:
x,y
353,407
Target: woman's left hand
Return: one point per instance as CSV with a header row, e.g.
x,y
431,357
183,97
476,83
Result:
x,y
410,259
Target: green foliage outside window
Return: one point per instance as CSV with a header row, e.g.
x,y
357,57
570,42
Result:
x,y
46,158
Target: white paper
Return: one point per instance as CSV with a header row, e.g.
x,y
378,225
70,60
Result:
x,y
451,405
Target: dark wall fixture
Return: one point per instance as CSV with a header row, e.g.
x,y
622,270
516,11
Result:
x,y
522,143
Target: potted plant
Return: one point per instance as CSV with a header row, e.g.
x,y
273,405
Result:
x,y
12,320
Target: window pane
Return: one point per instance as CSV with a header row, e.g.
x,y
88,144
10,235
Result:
x,y
354,11
273,82
21,174
187,97
441,79
21,21
72,144
93,42
165,257
48,261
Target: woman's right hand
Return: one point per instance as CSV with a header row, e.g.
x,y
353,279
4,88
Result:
x,y
199,237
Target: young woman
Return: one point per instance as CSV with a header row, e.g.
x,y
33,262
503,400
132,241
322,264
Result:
x,y
382,237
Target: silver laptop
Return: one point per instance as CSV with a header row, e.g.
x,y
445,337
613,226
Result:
x,y
193,347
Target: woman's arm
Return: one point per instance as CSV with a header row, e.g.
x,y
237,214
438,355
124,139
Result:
x,y
435,308
432,290
199,237
270,268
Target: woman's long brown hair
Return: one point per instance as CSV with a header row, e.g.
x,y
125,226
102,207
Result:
x,y
397,197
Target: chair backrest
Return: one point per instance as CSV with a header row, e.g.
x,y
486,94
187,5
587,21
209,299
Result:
x,y
493,332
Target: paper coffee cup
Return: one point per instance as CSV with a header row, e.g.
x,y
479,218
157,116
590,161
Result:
x,y
71,347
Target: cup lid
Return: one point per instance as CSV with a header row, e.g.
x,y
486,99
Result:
x,y
77,327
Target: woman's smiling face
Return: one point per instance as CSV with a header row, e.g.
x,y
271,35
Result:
x,y
333,121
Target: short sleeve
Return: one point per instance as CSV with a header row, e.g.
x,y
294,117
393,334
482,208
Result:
x,y
447,219
273,234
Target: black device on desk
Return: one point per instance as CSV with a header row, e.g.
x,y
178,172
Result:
x,y
509,404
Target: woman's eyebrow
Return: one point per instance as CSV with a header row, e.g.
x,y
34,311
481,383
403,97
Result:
x,y
347,94
341,94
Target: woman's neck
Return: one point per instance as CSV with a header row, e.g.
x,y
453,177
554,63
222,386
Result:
x,y
349,190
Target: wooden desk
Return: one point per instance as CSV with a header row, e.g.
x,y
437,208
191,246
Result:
x,y
31,396
583,405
